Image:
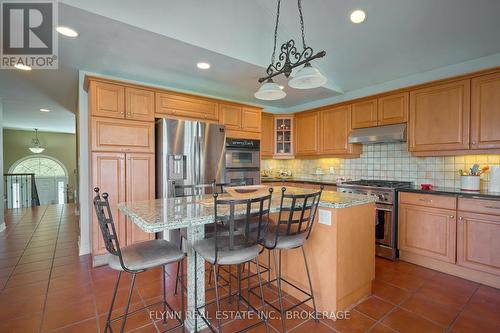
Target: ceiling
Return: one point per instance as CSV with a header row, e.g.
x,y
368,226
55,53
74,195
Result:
x,y
159,42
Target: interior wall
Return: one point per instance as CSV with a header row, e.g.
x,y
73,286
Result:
x,y
2,217
61,146
390,161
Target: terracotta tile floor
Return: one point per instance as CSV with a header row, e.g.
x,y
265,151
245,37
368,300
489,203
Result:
x,y
46,287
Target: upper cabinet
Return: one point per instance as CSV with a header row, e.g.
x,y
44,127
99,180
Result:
x,y
267,138
116,101
335,126
107,100
283,136
307,133
182,105
439,117
240,121
485,112
365,113
139,104
393,109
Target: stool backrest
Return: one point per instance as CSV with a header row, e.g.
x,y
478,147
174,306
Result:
x,y
107,225
181,190
240,224
297,213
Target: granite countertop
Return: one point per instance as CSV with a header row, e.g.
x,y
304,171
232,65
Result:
x,y
453,191
173,213
319,179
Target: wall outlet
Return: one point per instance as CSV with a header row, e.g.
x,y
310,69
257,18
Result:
x,y
325,217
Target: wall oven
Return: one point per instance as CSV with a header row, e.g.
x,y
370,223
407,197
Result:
x,y
242,161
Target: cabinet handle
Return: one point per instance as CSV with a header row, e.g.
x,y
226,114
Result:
x,y
492,207
473,142
452,217
121,112
425,200
461,218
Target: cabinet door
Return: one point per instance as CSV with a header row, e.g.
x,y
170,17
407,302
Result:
x,y
267,141
439,117
393,109
364,114
335,127
306,133
427,231
231,116
250,120
485,113
107,100
181,105
108,173
478,245
139,104
122,135
140,176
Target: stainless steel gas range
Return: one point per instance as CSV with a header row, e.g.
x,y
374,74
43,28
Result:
x,y
386,214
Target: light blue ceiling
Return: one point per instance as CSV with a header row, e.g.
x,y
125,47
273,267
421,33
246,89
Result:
x,y
403,42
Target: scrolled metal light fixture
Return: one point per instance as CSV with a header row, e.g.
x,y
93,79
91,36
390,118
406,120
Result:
x,y
290,58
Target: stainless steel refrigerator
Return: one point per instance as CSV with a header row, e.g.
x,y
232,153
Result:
x,y
188,152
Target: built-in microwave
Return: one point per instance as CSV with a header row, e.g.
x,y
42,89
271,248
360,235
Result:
x,y
241,153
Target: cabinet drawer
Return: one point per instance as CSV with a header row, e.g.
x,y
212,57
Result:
x,y
122,135
481,206
428,200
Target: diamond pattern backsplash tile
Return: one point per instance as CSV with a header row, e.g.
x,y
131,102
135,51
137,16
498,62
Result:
x,y
390,161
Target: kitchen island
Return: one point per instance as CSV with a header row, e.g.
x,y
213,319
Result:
x,y
341,248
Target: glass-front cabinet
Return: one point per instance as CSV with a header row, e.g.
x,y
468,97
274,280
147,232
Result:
x,y
283,137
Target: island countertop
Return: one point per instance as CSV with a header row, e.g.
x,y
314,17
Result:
x,y
174,213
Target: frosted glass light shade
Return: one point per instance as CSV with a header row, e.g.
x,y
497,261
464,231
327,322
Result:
x,y
270,91
307,77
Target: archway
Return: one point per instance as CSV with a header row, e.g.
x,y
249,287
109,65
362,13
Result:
x,y
51,177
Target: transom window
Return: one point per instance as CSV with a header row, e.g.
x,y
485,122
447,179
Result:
x,y
41,167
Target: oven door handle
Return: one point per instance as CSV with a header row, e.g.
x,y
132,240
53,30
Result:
x,y
383,209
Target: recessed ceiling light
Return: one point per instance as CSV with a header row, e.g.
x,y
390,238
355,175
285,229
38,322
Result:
x,y
358,16
68,32
22,67
44,110
282,87
203,65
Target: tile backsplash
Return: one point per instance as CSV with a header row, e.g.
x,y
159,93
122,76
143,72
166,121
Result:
x,y
390,161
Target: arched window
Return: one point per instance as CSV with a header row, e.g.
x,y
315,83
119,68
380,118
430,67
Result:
x,y
41,166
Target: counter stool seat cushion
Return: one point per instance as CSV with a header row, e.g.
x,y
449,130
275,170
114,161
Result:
x,y
149,254
284,241
206,249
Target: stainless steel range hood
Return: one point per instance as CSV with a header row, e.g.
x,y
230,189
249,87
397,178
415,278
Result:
x,y
379,134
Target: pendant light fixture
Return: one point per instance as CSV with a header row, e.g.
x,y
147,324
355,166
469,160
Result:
x,y
306,78
36,147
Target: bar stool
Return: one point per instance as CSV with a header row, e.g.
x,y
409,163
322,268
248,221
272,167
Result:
x,y
293,228
134,259
236,243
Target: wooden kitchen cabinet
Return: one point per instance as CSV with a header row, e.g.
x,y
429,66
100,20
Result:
x,y
477,242
365,113
106,100
108,173
230,116
335,127
427,231
283,137
307,133
250,120
139,104
485,112
122,135
140,185
393,109
182,105
439,117
267,138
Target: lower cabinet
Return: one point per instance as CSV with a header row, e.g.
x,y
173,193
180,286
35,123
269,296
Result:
x,y
427,231
125,177
478,242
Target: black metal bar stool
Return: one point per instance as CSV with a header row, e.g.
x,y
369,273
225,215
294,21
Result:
x,y
235,243
134,259
293,228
